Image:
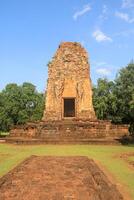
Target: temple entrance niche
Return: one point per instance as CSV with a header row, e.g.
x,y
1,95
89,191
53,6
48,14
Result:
x,y
68,107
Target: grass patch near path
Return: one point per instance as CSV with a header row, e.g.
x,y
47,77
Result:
x,y
131,158
107,156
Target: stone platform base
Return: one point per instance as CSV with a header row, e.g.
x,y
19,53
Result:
x,y
68,131
95,141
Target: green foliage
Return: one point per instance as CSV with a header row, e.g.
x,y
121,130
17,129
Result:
x,y
131,129
104,99
20,104
115,100
124,90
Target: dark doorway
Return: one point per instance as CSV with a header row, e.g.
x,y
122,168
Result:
x,y
69,107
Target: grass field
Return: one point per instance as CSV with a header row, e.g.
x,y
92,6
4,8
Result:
x,y
107,156
131,158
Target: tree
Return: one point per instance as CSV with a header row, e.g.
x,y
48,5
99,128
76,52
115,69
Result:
x,y
104,100
115,99
20,104
124,91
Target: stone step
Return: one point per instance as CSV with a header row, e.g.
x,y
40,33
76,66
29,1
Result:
x,y
62,141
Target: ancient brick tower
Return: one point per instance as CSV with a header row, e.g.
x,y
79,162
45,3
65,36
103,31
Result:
x,y
69,90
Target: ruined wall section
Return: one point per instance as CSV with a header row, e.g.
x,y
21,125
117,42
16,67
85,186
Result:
x,y
69,76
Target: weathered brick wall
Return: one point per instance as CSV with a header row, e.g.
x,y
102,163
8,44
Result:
x,y
70,130
69,76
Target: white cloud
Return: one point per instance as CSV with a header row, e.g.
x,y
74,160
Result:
x,y
103,71
86,8
127,3
103,68
104,11
104,14
101,37
125,17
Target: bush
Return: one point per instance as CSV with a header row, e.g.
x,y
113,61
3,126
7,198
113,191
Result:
x,y
131,129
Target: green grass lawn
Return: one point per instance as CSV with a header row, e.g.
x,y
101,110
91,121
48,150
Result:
x,y
131,158
12,155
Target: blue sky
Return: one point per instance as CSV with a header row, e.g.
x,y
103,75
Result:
x,y
31,30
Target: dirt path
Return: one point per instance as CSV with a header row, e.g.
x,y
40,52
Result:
x,y
57,178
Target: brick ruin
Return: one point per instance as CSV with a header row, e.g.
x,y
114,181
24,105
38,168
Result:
x,y
69,114
58,178
69,90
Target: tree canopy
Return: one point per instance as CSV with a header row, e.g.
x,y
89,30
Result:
x,y
104,99
115,99
124,90
19,104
